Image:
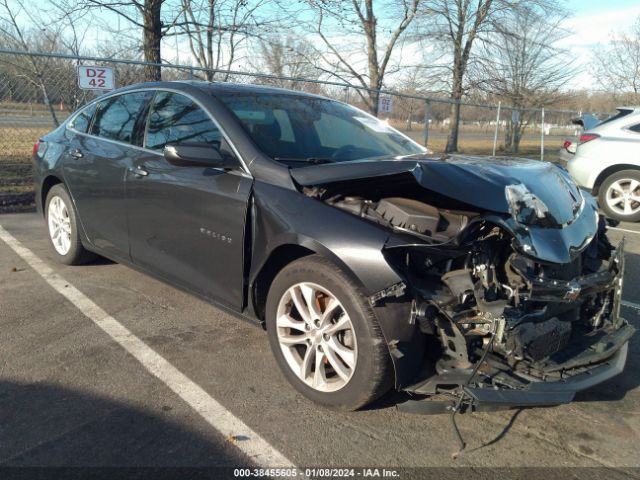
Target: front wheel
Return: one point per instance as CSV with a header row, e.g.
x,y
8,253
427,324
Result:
x,y
619,196
325,336
63,230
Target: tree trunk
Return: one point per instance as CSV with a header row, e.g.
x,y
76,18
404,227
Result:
x,y
456,96
210,25
508,138
374,98
152,38
517,135
47,102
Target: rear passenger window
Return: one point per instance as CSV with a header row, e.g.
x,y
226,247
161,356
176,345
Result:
x,y
83,119
116,117
175,119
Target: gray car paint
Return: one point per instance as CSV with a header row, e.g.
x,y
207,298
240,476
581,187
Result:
x,y
165,215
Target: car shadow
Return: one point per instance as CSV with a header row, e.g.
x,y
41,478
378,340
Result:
x,y
73,434
99,260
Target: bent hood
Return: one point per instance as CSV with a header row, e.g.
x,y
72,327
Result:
x,y
479,182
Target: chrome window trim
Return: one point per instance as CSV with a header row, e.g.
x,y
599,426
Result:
x,y
243,164
116,142
76,114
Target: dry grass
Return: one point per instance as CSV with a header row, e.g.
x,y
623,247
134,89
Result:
x,y
17,143
529,148
35,109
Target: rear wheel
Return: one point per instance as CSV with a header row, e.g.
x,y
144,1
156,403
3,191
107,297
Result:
x,y
325,336
63,228
620,196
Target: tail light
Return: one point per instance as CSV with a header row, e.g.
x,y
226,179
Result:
x,y
567,144
587,137
35,148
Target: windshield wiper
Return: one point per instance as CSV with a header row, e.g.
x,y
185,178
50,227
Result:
x,y
312,160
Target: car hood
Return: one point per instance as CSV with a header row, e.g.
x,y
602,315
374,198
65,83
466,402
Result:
x,y
570,218
479,182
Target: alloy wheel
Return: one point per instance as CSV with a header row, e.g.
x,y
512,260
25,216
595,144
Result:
x,y
623,196
316,337
59,225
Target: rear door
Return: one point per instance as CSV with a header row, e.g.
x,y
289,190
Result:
x,y
95,169
187,224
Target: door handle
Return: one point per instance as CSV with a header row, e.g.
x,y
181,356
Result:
x,y
75,153
139,172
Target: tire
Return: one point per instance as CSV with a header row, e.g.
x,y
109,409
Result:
x,y
66,245
357,347
619,196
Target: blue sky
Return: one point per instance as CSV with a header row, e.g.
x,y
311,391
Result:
x,y
591,6
592,22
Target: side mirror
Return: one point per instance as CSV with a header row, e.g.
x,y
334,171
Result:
x,y
196,156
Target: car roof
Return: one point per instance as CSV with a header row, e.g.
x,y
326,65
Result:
x,y
624,117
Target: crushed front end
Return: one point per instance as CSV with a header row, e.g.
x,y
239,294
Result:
x,y
514,286
513,330
540,332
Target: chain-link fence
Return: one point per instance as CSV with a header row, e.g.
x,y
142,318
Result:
x,y
38,91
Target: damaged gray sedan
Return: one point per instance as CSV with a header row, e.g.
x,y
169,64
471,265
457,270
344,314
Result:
x,y
482,282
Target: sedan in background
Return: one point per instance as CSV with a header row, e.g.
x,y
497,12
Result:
x,y
607,163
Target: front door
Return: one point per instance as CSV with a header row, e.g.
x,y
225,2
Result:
x,y
97,161
187,224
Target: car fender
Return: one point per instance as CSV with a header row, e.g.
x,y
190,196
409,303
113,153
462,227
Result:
x,y
284,216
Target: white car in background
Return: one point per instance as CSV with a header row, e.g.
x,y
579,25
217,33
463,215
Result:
x,y
569,147
607,163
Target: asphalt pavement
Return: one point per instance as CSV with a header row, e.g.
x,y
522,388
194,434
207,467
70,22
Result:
x,y
83,383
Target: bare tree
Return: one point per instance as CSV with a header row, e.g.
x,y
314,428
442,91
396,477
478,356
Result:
x,y
617,66
340,23
457,23
216,29
522,64
35,70
288,57
147,15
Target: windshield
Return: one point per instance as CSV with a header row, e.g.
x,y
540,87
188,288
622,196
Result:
x,y
296,130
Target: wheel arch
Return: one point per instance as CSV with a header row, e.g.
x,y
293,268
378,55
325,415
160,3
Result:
x,y
404,341
281,256
50,181
47,184
607,172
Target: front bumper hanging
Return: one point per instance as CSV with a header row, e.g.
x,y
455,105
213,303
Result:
x,y
600,361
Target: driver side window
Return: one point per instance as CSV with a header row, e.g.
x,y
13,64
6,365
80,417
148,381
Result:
x,y
175,119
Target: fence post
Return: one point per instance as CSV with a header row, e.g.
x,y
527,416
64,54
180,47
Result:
x,y
495,135
190,73
542,136
427,116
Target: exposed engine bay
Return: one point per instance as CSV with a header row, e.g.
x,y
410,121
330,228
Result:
x,y
497,317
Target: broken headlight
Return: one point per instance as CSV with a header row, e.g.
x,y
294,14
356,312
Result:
x,y
526,208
